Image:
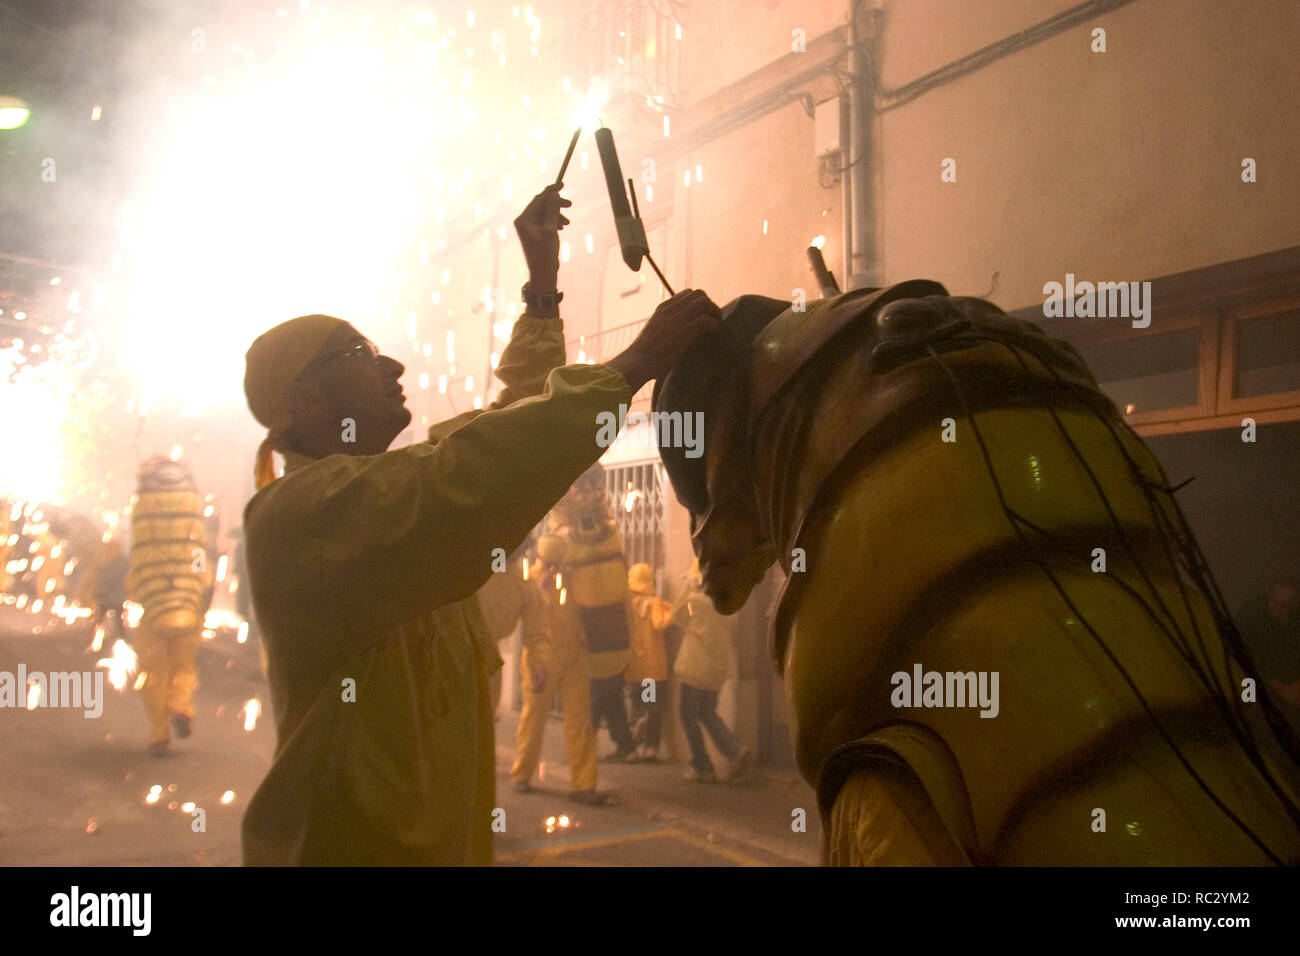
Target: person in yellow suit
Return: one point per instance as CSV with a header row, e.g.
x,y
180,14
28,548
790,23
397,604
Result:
x,y
364,563
554,660
651,616
171,577
589,553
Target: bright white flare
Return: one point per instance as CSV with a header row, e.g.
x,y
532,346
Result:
x,y
121,665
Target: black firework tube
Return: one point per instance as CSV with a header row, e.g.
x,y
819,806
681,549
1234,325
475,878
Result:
x,y
613,173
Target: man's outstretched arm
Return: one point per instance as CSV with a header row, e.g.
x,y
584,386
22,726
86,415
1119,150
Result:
x,y
393,535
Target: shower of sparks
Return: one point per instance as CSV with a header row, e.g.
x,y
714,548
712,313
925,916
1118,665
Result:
x,y
311,157
50,374
424,121
252,709
121,665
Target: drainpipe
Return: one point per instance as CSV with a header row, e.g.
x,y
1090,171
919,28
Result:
x,y
858,208
846,197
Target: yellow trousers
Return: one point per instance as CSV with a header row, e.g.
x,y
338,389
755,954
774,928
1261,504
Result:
x,y
883,817
169,686
568,677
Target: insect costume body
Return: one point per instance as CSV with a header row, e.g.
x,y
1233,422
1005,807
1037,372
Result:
x,y
947,488
588,551
171,577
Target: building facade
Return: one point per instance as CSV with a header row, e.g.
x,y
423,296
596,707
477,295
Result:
x,y
995,147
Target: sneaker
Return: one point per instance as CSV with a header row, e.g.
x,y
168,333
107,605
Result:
x,y
650,755
694,776
158,748
620,756
181,725
523,786
592,798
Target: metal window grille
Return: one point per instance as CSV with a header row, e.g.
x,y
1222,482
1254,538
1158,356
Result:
x,y
636,498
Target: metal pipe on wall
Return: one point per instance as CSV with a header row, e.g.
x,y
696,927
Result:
x,y
860,268
846,199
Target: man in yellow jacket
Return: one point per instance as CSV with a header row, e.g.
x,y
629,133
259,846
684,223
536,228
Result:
x,y
363,564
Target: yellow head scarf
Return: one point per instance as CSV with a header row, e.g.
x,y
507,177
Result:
x,y
273,363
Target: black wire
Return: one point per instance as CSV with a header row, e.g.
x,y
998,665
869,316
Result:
x,y
1201,667
1013,518
1135,471
1197,569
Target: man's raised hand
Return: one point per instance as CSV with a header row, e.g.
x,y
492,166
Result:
x,y
538,228
665,338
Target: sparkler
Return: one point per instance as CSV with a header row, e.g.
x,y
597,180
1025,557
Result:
x,y
210,199
568,156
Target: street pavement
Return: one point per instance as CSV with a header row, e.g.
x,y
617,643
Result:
x,y
77,790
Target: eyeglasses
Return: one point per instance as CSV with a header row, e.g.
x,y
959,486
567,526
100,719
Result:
x,y
361,351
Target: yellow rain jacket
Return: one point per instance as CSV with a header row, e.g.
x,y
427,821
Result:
x,y
651,616
363,570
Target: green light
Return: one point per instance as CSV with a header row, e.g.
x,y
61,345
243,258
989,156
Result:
x,y
13,112
1036,472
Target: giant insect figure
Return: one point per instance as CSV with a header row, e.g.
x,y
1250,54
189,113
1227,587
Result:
x,y
169,574
951,495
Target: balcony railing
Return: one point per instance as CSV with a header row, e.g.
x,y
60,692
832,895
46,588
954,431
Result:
x,y
603,346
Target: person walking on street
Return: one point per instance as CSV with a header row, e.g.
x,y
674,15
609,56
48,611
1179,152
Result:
x,y
554,661
647,670
171,576
701,666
